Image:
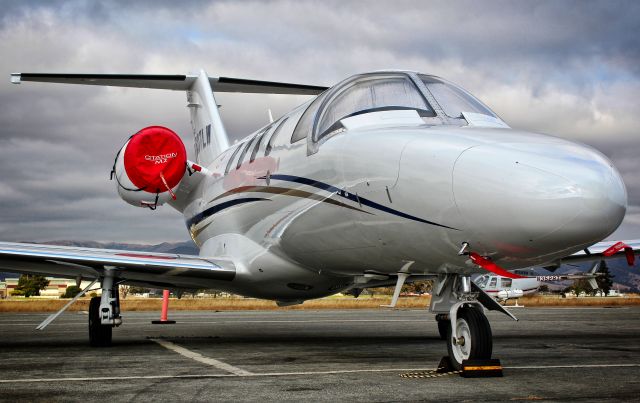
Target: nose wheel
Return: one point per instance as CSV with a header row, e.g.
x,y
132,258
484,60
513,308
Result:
x,y
473,339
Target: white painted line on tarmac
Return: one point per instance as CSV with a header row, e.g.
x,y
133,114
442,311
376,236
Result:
x,y
574,366
228,322
74,322
277,374
202,359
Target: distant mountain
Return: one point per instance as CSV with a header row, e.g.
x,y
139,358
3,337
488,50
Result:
x,y
183,248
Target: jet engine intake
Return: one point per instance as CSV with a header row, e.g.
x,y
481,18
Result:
x,y
149,167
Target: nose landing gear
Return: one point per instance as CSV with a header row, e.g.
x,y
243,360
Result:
x,y
458,305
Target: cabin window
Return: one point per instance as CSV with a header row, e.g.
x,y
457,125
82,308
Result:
x,y
371,93
506,282
261,135
275,133
235,152
244,152
454,100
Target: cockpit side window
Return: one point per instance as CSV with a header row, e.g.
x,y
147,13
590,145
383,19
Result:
x,y
493,282
370,94
452,99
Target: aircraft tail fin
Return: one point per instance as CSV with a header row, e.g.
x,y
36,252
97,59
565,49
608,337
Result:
x,y
210,136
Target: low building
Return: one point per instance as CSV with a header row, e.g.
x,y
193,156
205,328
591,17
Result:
x,y
55,289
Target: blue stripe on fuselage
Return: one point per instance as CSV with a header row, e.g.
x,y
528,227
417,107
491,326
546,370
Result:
x,y
219,207
353,197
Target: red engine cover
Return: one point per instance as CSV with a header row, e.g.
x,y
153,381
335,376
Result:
x,y
152,151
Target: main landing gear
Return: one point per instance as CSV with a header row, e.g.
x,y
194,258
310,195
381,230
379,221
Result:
x,y
104,312
461,319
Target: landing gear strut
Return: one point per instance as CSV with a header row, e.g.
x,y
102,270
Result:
x,y
104,312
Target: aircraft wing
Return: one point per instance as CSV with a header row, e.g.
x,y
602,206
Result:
x,y
154,269
606,250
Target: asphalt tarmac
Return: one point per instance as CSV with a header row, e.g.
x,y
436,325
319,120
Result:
x,y
588,354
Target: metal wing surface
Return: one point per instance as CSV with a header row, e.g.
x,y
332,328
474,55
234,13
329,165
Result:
x,y
155,269
603,251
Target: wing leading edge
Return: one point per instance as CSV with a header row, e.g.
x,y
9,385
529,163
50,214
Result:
x,y
171,82
605,250
162,269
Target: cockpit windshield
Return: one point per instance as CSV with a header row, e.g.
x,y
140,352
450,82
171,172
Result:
x,y
482,281
369,94
388,98
454,100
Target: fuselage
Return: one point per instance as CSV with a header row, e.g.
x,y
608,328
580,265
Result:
x,y
503,288
306,218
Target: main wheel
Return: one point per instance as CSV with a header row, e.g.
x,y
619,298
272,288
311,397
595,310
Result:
x,y
99,334
474,337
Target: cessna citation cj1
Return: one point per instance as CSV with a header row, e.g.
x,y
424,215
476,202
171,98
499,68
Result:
x,y
385,177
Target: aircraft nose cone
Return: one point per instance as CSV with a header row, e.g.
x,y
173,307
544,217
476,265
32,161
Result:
x,y
524,198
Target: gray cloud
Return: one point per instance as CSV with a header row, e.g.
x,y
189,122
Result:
x,y
567,68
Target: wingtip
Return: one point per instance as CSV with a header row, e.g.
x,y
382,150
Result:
x,y
15,78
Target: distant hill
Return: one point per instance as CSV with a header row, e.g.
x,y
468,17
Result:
x,y
628,278
186,247
183,248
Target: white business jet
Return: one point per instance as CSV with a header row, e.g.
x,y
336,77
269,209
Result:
x,y
385,177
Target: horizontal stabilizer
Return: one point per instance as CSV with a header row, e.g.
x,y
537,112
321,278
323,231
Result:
x,y
170,82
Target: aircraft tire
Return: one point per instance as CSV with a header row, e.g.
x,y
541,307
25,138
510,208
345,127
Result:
x,y
473,325
444,327
99,335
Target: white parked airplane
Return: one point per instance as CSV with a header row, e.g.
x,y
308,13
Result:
x,y
504,288
385,177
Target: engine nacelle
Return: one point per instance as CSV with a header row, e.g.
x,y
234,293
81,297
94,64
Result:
x,y
150,166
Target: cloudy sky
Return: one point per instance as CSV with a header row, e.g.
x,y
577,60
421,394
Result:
x,y
571,69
